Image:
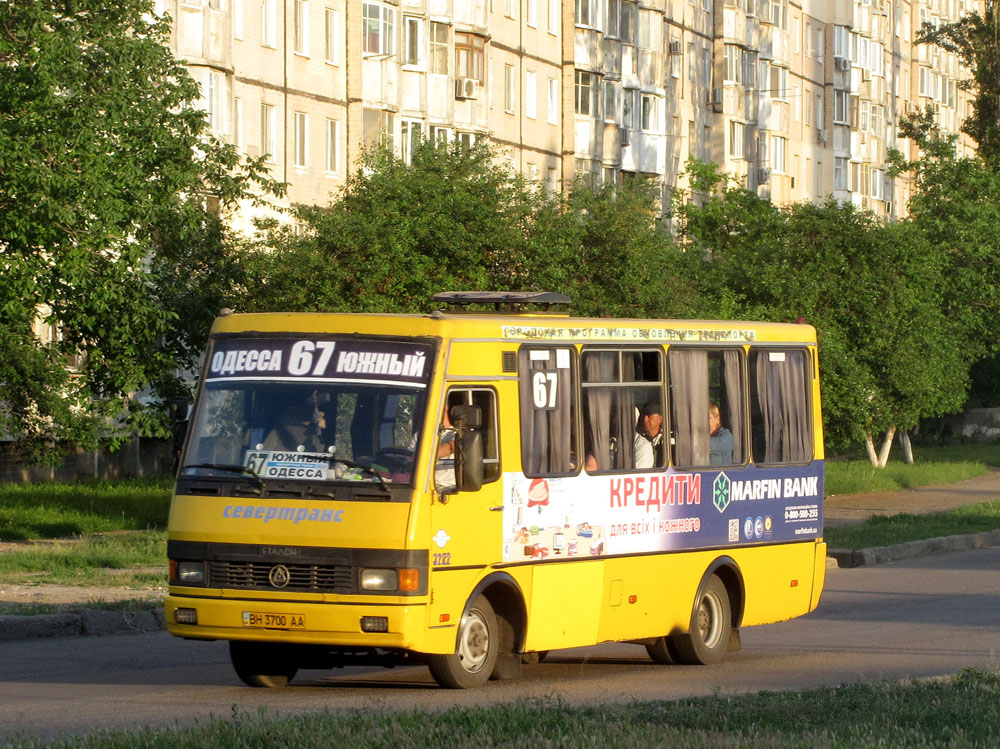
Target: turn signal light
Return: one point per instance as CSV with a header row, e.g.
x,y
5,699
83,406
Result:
x,y
409,579
186,616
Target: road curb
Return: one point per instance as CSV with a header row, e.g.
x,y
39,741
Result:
x,y
93,622
882,554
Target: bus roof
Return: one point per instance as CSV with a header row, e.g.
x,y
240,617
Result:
x,y
516,328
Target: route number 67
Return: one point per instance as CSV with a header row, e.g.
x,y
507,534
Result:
x,y
544,388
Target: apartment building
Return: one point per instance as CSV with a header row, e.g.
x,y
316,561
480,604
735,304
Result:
x,y
798,100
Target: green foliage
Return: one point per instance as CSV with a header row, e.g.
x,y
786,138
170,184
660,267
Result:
x,y
103,162
886,530
976,41
455,218
59,510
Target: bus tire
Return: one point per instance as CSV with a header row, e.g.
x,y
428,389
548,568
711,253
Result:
x,y
663,650
260,664
475,656
711,624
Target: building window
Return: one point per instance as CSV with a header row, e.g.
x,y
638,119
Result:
x,y
842,42
301,22
378,29
469,54
779,82
613,11
301,139
531,94
332,26
626,27
412,40
586,93
376,127
439,48
840,107
778,154
510,9
647,112
651,30
840,173
237,19
585,13
736,132
732,57
269,23
467,140
439,135
268,132
610,101
628,108
553,102
877,191
532,13
509,89
819,119
332,137
410,134
238,123
554,9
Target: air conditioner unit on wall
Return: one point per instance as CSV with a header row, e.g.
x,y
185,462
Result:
x,y
824,136
763,176
842,63
466,88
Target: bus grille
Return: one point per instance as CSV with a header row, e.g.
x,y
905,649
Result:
x,y
254,576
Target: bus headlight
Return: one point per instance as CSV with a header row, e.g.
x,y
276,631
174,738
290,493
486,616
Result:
x,y
379,579
191,573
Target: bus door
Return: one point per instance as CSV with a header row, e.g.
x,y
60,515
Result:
x,y
466,526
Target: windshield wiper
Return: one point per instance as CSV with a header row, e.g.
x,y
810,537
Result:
x,y
258,481
362,467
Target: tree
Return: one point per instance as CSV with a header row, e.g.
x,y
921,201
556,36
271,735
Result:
x,y
873,291
103,161
976,41
457,218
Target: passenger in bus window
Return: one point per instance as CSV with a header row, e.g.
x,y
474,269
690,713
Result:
x,y
720,447
648,442
299,428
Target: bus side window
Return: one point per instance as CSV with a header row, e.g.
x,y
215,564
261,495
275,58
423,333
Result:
x,y
619,387
779,403
707,406
485,400
547,394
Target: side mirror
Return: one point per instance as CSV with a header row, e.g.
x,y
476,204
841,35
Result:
x,y
466,417
469,462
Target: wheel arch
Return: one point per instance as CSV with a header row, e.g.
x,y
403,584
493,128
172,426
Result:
x,y
507,600
727,570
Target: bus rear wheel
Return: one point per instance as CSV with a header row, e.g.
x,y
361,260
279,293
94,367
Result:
x,y
261,664
475,655
711,625
663,650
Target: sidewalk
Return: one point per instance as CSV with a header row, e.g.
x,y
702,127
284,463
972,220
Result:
x,y
844,509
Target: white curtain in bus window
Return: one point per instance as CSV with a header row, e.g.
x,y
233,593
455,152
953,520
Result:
x,y
779,396
547,430
700,381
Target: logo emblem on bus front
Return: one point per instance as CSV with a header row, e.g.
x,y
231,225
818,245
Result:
x,y
279,576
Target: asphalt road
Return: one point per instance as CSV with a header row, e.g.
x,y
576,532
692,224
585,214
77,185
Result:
x,y
919,617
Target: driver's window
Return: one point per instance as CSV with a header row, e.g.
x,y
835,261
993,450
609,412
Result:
x,y
485,400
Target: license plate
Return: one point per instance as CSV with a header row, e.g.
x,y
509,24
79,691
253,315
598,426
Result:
x,y
273,621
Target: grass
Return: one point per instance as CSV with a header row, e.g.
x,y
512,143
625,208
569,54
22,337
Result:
x,y
885,530
963,711
854,474
63,509
10,608
134,559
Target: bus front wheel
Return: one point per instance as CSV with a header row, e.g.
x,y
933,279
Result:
x,y
711,625
475,653
261,664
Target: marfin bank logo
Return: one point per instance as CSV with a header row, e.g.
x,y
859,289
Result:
x,y
720,492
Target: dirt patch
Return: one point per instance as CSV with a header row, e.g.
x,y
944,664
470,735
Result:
x,y
68,594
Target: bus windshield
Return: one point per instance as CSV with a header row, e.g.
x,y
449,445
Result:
x,y
333,422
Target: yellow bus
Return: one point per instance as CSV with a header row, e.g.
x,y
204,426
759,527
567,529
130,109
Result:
x,y
472,489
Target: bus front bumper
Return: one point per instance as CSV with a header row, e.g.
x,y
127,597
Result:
x,y
354,625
